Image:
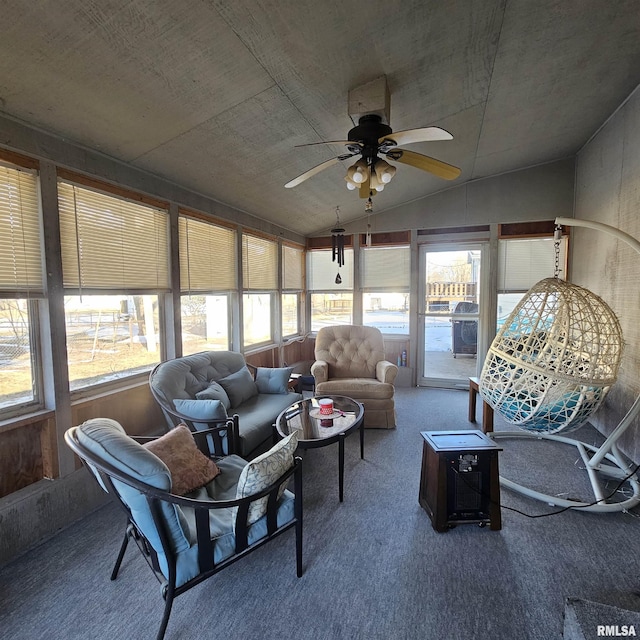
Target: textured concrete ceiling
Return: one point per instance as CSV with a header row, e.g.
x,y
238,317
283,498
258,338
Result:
x,y
214,95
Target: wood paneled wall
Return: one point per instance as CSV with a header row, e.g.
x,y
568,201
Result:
x,y
29,447
134,408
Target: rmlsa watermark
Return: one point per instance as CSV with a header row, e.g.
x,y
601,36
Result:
x,y
616,630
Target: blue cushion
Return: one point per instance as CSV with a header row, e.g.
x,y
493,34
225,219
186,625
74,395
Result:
x,y
257,416
214,392
107,439
273,380
239,386
205,410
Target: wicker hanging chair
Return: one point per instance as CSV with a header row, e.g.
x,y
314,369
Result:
x,y
554,360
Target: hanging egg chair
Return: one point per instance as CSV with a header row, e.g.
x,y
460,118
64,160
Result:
x,y
554,359
550,367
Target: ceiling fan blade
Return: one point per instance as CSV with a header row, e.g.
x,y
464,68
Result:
x,y
311,144
420,161
426,134
317,169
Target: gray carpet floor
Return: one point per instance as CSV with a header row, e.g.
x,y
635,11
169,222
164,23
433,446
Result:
x,y
374,566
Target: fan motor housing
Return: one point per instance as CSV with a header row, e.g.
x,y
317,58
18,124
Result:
x,y
369,130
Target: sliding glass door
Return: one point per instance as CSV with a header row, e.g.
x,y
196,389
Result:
x,y
449,317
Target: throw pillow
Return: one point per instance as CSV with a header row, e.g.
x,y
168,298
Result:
x,y
273,380
263,471
214,392
239,386
189,467
204,410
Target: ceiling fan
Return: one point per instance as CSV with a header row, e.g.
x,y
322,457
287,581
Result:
x,y
370,139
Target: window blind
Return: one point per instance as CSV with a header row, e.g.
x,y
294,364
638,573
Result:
x,y
111,243
522,263
385,268
322,271
207,256
259,263
20,241
292,268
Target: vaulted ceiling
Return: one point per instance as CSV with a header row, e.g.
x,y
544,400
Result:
x,y
215,95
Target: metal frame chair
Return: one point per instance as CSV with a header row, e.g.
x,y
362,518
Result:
x,y
105,473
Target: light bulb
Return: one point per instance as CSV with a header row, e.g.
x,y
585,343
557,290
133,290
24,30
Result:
x,y
356,174
380,188
384,171
351,185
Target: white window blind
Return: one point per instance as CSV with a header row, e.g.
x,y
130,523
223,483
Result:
x,y
522,263
20,243
111,243
385,268
259,263
292,268
323,271
207,256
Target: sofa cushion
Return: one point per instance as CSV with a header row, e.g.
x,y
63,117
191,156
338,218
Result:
x,y
264,471
273,380
258,414
239,387
189,467
186,376
203,410
214,392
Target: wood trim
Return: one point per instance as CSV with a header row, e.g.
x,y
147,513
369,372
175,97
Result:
x,y
249,231
541,229
31,418
49,449
292,244
325,242
205,217
19,160
107,187
387,239
484,228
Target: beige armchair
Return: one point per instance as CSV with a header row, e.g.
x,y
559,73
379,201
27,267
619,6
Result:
x,y
350,361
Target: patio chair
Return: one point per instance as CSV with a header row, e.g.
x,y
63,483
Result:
x,y
227,507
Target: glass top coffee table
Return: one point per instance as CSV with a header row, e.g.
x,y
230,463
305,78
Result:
x,y
316,431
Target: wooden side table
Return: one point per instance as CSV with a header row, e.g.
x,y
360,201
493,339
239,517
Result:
x,y
487,411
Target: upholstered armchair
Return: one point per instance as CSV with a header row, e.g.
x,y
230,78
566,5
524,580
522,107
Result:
x,y
350,361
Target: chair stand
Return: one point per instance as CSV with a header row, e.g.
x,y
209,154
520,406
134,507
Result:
x,y
618,470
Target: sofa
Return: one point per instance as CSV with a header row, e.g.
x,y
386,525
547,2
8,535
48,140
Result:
x,y
350,361
208,387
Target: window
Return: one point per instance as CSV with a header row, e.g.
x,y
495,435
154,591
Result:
x,y
292,286
207,278
521,263
385,275
21,284
260,283
115,264
331,301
